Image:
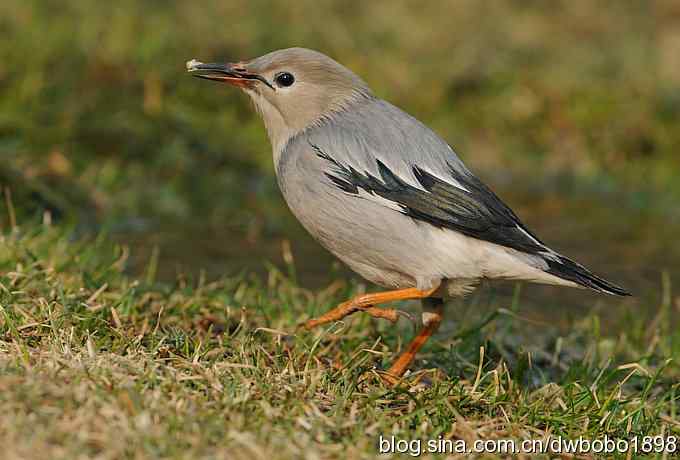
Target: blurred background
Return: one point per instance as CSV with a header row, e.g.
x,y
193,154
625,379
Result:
x,y
568,109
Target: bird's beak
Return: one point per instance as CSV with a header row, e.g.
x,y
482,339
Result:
x,y
235,74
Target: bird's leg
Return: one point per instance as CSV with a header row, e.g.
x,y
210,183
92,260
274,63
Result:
x,y
432,317
366,303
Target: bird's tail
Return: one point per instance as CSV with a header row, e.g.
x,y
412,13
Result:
x,y
569,270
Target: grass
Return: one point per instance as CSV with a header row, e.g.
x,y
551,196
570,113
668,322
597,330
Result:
x,y
94,364
98,116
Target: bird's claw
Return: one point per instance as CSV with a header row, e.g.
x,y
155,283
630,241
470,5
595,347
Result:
x,y
405,314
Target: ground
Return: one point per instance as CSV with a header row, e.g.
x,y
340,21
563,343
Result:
x,y
95,364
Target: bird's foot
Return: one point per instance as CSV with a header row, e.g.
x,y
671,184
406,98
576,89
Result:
x,y
389,379
341,312
389,314
431,319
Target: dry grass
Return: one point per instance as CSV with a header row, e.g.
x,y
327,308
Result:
x,y
96,365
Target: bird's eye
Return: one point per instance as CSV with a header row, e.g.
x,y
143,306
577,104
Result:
x,y
284,79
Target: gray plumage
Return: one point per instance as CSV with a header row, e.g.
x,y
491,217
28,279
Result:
x,y
383,192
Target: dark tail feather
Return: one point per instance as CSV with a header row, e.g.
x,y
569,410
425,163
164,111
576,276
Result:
x,y
569,270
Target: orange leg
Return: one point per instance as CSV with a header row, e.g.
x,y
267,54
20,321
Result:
x,y
432,317
366,303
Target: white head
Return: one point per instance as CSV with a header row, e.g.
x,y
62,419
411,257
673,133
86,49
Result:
x,y
291,88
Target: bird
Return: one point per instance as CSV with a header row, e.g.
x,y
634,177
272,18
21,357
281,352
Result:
x,y
385,194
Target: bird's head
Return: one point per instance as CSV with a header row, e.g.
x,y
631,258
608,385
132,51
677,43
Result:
x,y
292,88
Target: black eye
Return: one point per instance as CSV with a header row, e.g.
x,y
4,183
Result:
x,y
284,79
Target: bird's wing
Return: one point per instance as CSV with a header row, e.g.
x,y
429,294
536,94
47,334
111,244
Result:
x,y
379,152
461,203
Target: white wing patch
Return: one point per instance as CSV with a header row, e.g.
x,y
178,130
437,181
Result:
x,y
403,171
448,180
528,235
550,254
379,200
